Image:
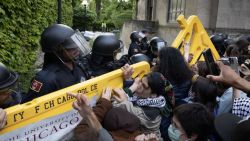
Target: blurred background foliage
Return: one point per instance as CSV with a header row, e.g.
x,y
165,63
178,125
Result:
x,y
111,12
22,22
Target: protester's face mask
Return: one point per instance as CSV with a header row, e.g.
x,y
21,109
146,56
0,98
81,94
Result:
x,y
173,133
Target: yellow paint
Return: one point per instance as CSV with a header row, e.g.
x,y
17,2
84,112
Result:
x,y
193,32
52,104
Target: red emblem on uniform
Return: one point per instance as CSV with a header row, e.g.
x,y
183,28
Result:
x,y
36,86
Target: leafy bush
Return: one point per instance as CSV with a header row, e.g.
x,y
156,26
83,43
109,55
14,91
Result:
x,y
113,13
21,23
80,19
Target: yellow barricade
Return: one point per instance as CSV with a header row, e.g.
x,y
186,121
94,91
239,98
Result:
x,y
59,102
193,39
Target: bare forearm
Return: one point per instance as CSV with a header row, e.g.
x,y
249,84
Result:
x,y
242,84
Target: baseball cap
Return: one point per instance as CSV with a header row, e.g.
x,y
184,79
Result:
x,y
232,128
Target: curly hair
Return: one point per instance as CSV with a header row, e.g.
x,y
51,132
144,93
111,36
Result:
x,y
195,119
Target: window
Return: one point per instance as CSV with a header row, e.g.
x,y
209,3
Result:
x,y
149,10
176,7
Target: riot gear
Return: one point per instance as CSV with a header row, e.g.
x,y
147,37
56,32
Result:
x,y
103,58
228,42
218,42
135,46
107,46
139,58
135,37
59,39
54,35
156,44
223,35
7,78
63,47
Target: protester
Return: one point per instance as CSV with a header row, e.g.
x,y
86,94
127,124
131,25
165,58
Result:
x,y
205,92
230,77
90,127
192,122
3,118
174,67
144,98
232,128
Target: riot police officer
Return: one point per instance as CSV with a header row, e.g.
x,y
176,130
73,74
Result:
x,y
135,46
155,44
139,58
8,97
144,42
61,45
103,57
218,41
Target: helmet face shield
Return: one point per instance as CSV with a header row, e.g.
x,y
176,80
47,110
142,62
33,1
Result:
x,y
117,54
158,47
72,48
77,41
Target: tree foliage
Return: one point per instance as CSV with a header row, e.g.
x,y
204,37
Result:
x,y
21,23
112,12
83,20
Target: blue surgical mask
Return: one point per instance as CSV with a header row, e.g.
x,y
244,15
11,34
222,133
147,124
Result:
x,y
173,133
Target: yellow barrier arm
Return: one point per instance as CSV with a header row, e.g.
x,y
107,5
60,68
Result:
x,y
193,33
59,102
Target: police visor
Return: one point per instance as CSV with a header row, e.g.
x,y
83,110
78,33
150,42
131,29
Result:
x,y
77,41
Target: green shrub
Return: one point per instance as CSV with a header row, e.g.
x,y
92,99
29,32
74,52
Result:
x,y
21,23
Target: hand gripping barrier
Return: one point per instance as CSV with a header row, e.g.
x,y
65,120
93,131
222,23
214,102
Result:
x,y
52,115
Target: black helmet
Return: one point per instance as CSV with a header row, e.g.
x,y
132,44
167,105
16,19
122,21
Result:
x,y
139,58
55,35
218,42
157,43
223,35
135,36
248,38
106,45
228,42
7,78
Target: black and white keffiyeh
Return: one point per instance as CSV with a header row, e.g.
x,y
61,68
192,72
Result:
x,y
241,107
157,102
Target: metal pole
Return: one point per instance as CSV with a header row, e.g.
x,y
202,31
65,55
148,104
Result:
x,y
85,16
59,11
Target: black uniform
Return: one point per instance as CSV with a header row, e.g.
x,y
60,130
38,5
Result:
x,y
53,77
144,45
94,68
133,49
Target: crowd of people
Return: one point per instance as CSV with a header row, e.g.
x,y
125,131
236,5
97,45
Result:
x,y
176,101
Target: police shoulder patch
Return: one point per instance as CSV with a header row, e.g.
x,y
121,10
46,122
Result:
x,y
36,85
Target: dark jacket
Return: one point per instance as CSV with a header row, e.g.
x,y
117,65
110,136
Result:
x,y
53,77
134,49
119,129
